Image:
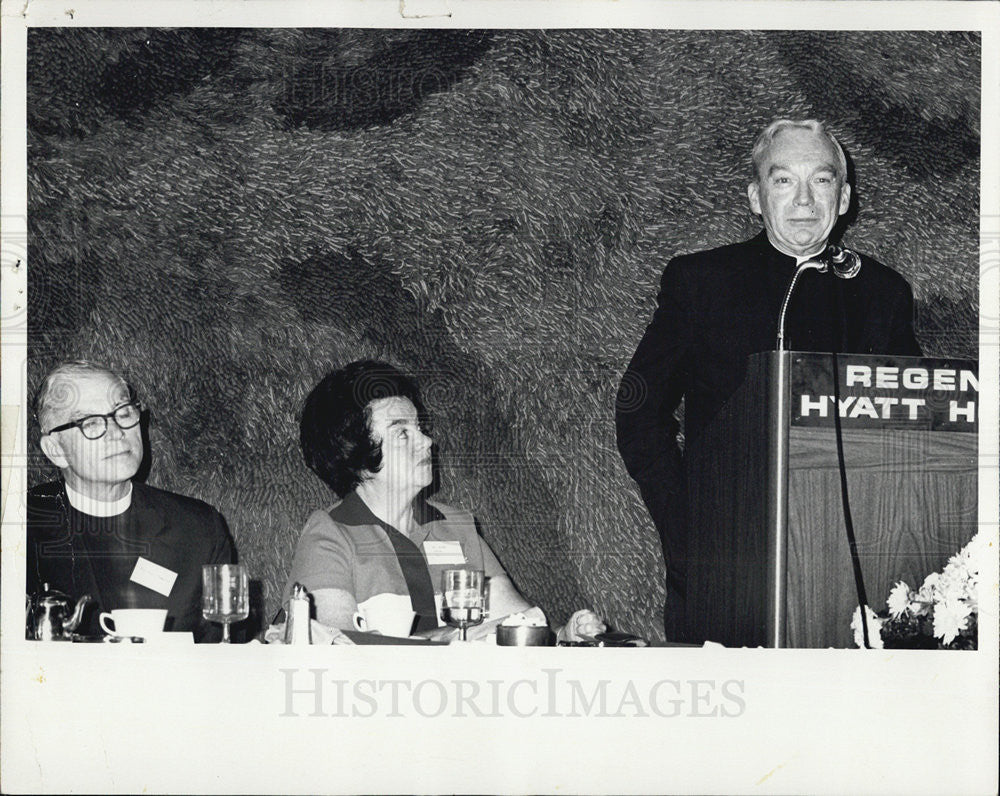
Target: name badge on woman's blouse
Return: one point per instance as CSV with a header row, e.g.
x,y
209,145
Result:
x,y
444,552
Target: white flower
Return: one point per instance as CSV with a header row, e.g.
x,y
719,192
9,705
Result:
x,y
951,584
974,553
899,599
949,598
927,594
959,580
960,559
950,617
874,629
971,597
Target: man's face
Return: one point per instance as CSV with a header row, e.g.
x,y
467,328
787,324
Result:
x,y
799,192
406,450
91,466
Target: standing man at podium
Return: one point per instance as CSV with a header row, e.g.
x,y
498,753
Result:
x,y
717,307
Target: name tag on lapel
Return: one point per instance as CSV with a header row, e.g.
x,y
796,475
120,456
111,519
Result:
x,y
444,552
153,576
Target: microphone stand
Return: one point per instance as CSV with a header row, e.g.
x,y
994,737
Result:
x,y
844,264
807,265
779,455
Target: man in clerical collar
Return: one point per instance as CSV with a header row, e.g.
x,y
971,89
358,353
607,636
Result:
x,y
717,307
95,531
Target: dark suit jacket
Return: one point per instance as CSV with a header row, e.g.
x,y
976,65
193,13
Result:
x,y
714,309
177,532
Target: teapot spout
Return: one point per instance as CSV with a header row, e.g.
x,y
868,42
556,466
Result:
x,y
73,622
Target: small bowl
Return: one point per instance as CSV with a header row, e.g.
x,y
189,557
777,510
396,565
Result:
x,y
524,636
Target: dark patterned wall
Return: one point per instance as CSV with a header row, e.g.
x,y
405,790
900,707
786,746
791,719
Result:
x,y
224,215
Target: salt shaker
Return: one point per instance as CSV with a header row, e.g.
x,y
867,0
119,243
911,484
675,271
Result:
x,y
297,630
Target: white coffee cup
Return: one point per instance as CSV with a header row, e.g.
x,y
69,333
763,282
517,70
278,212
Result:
x,y
389,614
142,622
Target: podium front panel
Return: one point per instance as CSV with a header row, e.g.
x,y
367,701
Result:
x,y
913,498
910,448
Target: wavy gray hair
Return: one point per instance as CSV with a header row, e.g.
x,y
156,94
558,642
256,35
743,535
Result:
x,y
767,136
57,390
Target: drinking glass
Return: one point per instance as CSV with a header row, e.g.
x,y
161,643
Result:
x,y
225,595
463,598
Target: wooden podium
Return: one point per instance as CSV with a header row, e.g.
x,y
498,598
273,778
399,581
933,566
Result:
x,y
768,557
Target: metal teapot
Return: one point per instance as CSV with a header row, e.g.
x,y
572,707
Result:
x,y
49,617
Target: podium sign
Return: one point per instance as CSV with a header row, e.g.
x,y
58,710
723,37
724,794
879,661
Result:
x,y
885,392
768,558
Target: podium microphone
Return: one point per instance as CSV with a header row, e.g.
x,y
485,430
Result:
x,y
844,263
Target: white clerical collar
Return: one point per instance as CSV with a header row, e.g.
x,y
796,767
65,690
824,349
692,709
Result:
x,y
799,259
99,508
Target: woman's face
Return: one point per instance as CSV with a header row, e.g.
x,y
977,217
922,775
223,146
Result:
x,y
406,450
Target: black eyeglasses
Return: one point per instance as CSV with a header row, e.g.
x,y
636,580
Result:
x,y
96,426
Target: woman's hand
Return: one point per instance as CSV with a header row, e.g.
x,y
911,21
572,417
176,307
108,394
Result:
x,y
445,634
583,623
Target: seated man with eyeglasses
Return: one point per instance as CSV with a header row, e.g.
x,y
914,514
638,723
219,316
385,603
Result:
x,y
97,532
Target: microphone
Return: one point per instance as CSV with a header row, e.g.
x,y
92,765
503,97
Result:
x,y
844,263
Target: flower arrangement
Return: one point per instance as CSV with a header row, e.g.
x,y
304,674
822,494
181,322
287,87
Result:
x,y
941,614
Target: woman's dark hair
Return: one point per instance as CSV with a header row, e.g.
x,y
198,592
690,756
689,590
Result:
x,y
335,429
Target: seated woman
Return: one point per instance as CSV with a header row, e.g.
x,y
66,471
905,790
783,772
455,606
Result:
x,y
363,431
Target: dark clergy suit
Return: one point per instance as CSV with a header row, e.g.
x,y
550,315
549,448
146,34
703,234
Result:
x,y
79,554
714,309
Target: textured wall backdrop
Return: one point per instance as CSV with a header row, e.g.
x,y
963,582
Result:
x,y
225,215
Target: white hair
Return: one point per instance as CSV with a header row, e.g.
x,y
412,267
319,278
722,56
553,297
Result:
x,y
767,135
58,391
